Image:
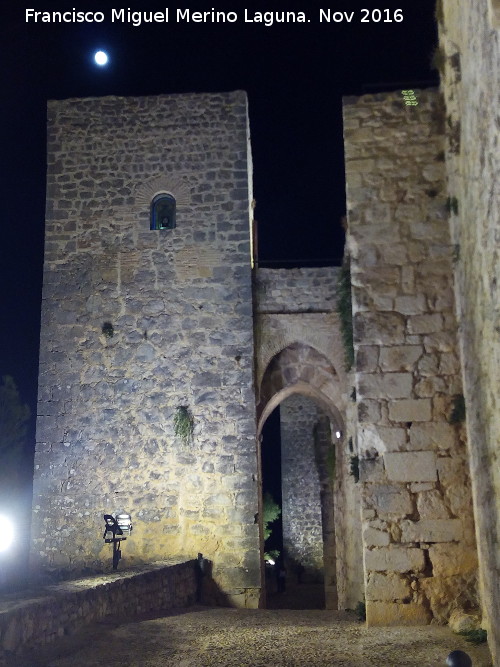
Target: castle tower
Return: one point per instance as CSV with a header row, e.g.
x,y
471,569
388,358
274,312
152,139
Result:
x,y
147,324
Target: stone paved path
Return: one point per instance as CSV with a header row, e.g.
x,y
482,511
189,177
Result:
x,y
202,637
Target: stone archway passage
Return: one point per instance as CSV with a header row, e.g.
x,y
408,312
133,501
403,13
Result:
x,y
307,476
305,385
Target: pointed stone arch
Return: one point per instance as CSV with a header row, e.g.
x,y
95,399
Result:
x,y
320,331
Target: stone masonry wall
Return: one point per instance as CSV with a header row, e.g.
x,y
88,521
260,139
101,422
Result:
x,y
419,547
300,486
63,609
179,304
296,290
470,50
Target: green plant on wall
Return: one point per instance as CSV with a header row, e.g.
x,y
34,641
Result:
x,y
184,424
107,329
452,205
439,11
457,409
478,636
360,611
271,512
344,309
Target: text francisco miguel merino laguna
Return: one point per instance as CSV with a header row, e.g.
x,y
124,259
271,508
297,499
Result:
x,y
137,18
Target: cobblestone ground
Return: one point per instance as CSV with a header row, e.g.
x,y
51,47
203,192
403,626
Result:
x,y
202,637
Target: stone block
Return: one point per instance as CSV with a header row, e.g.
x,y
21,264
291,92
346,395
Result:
x,y
359,166
421,486
367,358
428,365
410,410
394,614
449,560
430,505
408,279
394,253
389,499
410,305
372,470
387,587
383,302
434,435
400,357
385,385
381,438
451,470
369,411
425,324
430,386
375,538
394,559
449,364
431,530
410,466
381,328
462,622
441,341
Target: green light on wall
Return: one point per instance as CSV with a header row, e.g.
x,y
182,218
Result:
x,y
410,98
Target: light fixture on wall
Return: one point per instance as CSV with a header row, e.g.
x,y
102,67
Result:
x,y
117,530
338,434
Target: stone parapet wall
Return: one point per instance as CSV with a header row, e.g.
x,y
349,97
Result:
x,y
296,290
418,531
42,616
470,72
136,324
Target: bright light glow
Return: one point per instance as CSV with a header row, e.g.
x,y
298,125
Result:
x,y
101,58
338,434
271,561
6,533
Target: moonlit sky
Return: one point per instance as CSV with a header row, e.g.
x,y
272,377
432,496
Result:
x,y
295,76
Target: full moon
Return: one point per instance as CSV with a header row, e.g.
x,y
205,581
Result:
x,y
101,57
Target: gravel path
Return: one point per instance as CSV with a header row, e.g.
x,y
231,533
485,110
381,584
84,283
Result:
x,y
202,637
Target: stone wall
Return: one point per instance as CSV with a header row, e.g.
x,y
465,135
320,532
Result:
x,y
298,306
137,323
419,547
470,57
41,616
305,290
301,486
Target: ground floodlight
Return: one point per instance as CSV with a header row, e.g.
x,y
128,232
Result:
x,y
117,530
124,521
6,533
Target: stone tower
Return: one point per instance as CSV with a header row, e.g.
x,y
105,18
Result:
x,y
147,317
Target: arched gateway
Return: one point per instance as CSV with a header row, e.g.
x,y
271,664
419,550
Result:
x,y
300,368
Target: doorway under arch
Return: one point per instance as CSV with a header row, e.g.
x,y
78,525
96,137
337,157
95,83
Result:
x,y
305,462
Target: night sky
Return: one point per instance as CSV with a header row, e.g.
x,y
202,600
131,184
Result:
x,y
295,76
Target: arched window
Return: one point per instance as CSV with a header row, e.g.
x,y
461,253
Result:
x,y
163,212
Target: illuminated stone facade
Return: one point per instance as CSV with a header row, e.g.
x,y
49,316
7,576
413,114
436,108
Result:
x,y
470,56
138,323
190,328
416,500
